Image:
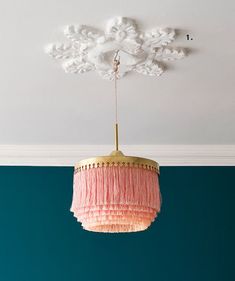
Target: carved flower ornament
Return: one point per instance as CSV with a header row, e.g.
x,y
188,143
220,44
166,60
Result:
x,y
90,49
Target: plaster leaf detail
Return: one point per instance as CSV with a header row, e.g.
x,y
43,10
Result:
x,y
82,34
109,74
150,67
169,54
77,66
60,51
121,28
158,37
91,49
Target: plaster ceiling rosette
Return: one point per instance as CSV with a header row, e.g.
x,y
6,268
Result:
x,y
90,49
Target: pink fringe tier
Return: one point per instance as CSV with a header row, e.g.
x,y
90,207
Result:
x,y
116,198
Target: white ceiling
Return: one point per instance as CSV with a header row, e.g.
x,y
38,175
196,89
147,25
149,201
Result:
x,y
192,103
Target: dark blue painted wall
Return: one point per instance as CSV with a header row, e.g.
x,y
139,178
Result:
x,y
193,239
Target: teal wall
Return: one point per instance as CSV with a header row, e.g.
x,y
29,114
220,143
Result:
x,y
192,240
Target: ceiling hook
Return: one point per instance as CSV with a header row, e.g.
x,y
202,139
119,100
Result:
x,y
116,61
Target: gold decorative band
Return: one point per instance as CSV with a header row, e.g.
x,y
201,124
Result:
x,y
117,160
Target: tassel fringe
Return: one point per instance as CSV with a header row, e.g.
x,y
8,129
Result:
x,y
116,198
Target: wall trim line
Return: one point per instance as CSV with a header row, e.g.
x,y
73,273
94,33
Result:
x,y
165,155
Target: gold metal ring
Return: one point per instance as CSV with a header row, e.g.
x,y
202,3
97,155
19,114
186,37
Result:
x,y
117,159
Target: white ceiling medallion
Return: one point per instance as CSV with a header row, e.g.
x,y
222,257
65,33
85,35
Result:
x,y
90,49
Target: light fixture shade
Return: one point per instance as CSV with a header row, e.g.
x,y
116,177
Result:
x,y
116,193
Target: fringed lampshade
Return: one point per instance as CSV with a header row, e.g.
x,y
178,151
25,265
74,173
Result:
x,y
116,193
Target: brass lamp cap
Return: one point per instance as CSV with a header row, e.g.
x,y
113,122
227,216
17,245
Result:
x,y
117,158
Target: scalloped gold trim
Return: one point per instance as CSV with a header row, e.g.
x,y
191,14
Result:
x,y
117,160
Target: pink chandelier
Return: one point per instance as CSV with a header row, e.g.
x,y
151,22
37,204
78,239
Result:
x,y
116,193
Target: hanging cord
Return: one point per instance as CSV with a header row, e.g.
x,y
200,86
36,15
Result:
x,y
116,63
